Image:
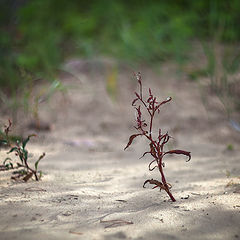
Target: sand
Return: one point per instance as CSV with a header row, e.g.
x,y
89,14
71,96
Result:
x,y
92,189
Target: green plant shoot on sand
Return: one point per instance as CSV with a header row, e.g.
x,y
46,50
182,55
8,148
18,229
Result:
x,y
156,145
19,148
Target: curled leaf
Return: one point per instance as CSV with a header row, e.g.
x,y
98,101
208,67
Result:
x,y
131,138
188,154
7,163
149,166
12,149
24,143
39,159
134,101
165,138
144,154
7,159
163,102
166,101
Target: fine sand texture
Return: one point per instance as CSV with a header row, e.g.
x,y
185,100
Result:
x,y
92,189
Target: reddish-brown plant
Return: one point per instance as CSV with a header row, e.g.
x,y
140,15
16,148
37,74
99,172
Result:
x,y
156,144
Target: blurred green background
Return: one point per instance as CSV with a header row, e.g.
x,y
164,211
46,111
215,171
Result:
x,y
36,36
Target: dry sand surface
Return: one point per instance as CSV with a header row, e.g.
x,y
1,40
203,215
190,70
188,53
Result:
x,y
92,189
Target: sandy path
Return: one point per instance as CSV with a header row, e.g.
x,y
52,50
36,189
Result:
x,y
91,189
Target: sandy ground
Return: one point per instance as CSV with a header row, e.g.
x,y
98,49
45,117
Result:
x,y
92,189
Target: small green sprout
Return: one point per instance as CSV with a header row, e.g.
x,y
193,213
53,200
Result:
x,y
19,148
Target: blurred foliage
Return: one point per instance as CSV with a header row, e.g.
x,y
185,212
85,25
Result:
x,y
111,83
36,36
